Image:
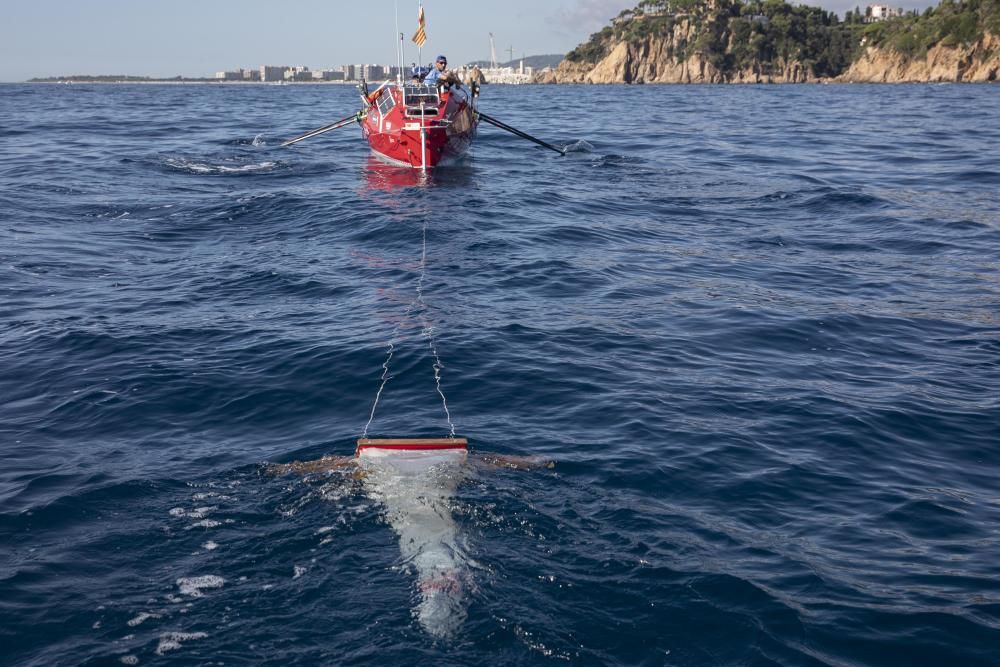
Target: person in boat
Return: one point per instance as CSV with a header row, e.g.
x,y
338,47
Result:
x,y
417,73
437,72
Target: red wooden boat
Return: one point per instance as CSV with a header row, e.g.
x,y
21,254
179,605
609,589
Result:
x,y
419,126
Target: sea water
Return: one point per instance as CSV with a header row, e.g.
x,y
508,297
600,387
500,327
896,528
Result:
x,y
756,327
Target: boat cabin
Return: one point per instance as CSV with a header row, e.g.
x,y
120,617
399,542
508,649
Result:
x,y
421,100
418,100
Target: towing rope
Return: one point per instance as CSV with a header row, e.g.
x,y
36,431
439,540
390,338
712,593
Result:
x,y
428,333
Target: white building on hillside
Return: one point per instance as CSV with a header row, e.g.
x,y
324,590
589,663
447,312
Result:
x,y
881,13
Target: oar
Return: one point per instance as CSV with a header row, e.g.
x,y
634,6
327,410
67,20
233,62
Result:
x,y
356,118
523,135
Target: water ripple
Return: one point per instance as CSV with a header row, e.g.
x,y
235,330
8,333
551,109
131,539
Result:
x,y
763,354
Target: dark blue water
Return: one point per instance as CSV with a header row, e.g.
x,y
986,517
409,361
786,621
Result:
x,y
756,327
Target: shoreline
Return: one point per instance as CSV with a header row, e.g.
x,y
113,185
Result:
x,y
191,82
195,82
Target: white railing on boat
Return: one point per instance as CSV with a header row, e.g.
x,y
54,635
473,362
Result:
x,y
421,100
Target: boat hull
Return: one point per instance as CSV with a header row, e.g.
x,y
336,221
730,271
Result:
x,y
420,127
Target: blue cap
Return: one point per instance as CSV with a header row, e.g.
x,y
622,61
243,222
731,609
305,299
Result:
x,y
441,59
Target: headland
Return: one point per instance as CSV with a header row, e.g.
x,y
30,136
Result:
x,y
771,41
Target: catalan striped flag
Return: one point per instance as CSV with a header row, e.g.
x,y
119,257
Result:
x,y
420,36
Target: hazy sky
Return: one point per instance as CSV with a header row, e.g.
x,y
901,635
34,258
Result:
x,y
198,38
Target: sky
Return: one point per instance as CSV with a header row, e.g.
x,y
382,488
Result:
x,y
197,38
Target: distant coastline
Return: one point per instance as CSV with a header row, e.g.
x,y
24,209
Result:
x,y
86,79
520,70
185,82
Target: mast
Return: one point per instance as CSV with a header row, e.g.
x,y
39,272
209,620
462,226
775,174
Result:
x,y
402,60
493,53
399,49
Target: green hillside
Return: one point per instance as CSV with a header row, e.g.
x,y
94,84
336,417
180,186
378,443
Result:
x,y
737,34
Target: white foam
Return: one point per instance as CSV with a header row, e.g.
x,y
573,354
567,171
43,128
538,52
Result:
x,y
581,146
210,494
141,618
188,166
172,641
129,660
201,512
196,513
210,546
298,571
205,523
204,168
260,166
193,585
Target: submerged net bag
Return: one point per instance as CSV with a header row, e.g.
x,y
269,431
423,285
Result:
x,y
462,121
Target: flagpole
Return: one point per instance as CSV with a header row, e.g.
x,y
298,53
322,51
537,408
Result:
x,y
399,49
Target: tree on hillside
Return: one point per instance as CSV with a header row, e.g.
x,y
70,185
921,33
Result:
x,y
741,34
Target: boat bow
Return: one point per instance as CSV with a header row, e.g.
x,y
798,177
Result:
x,y
419,126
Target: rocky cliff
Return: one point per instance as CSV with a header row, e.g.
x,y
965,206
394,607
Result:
x,y
978,62
650,61
655,60
764,41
